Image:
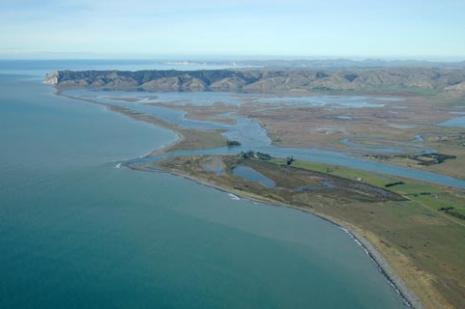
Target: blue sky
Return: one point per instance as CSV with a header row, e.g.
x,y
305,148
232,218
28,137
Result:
x,y
143,28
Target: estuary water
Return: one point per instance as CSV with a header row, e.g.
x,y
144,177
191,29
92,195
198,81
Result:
x,y
76,231
253,136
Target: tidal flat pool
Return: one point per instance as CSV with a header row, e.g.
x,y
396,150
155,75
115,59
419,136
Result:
x,y
250,174
458,122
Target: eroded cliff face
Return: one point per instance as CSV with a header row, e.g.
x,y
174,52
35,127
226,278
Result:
x,y
263,80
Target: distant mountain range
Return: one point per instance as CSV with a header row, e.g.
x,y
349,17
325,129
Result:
x,y
268,79
333,63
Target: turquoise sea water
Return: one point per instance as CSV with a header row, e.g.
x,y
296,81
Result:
x,y
77,232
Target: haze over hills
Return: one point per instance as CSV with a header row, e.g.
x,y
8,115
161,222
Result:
x,y
332,63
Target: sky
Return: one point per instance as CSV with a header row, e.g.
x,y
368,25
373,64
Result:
x,y
407,29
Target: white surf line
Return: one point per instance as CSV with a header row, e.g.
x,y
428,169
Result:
x,y
234,197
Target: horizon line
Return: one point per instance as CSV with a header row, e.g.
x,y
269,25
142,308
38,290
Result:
x,y
227,57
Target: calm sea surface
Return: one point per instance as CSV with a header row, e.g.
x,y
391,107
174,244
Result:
x,y
77,232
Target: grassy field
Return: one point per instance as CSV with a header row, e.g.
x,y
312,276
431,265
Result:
x,y
432,196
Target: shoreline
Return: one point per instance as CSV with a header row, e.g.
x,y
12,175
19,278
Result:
x,y
395,281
